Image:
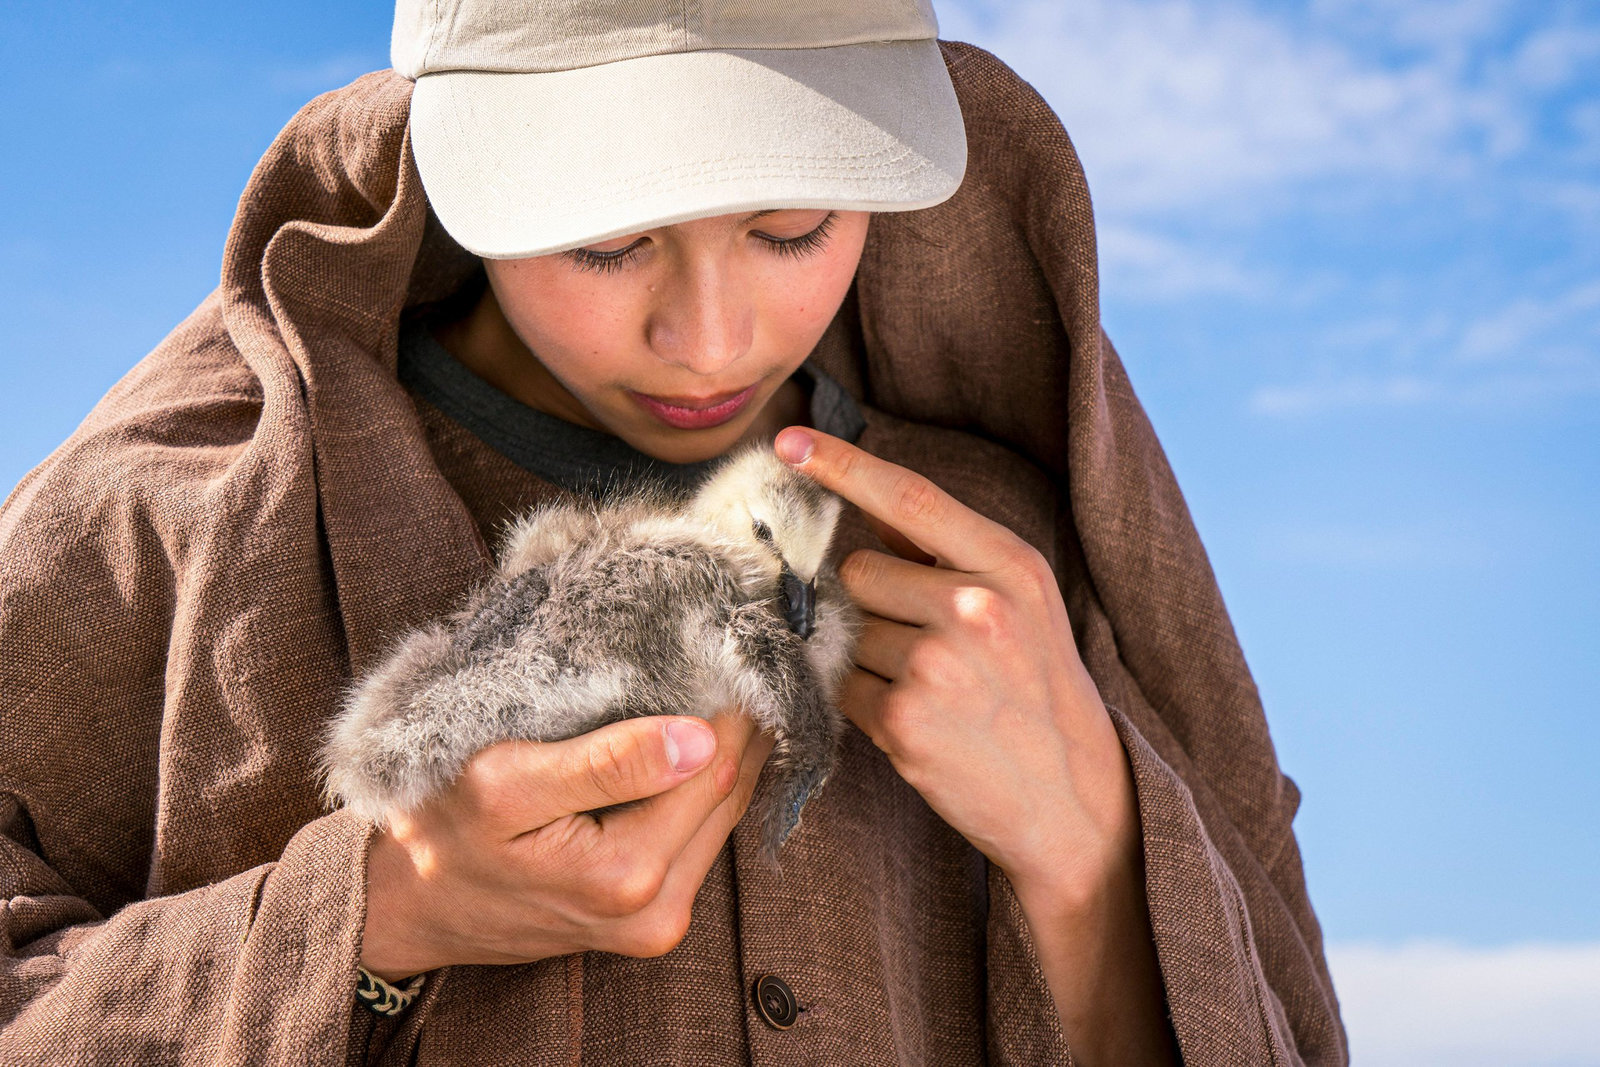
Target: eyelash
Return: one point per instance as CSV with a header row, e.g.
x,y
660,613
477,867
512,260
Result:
x,y
797,247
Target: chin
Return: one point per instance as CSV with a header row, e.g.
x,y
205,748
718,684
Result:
x,y
688,451
688,446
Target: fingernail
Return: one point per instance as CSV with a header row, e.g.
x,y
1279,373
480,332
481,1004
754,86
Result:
x,y
689,745
793,446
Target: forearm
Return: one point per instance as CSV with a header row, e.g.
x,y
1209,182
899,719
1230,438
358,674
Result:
x,y
1092,934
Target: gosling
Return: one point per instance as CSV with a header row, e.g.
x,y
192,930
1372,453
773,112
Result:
x,y
645,604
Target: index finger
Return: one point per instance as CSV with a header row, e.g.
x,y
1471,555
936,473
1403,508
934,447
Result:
x,y
956,536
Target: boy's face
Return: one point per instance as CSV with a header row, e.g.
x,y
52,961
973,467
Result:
x,y
678,344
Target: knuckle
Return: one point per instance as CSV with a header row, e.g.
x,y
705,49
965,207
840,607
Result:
x,y
928,662
607,767
975,603
859,568
488,769
982,611
487,785
659,932
1032,569
897,719
485,767
477,787
632,890
915,500
724,777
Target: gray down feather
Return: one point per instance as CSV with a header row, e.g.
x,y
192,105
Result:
x,y
644,604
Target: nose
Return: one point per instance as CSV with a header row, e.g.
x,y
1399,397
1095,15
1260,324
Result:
x,y
704,320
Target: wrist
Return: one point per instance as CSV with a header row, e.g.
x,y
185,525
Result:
x,y
1092,937
1080,886
394,938
1098,847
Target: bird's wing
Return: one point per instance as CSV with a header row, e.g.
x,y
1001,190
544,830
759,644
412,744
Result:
x,y
545,534
508,607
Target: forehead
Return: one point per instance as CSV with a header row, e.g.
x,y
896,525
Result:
x,y
796,494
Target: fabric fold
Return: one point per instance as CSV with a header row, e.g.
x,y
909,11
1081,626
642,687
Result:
x,y
1024,1027
251,515
195,978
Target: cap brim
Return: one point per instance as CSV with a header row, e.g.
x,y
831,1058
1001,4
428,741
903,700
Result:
x,y
527,164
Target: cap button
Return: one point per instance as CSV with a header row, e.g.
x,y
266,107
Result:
x,y
775,1002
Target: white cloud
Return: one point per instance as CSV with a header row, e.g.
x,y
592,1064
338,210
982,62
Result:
x,y
1528,351
1513,392
1144,262
1211,129
1551,58
1176,105
1439,28
1432,1005
1314,397
1564,328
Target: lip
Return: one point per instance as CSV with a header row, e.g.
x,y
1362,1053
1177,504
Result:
x,y
695,413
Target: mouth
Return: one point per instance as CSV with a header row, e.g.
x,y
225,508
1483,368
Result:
x,y
695,413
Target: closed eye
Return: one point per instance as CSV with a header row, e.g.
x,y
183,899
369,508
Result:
x,y
762,531
606,262
806,242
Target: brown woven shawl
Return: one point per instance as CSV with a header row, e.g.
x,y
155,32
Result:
x,y
258,507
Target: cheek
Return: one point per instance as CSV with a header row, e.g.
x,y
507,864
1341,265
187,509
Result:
x,y
572,324
812,298
841,263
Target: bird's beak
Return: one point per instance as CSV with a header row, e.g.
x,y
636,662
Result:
x,y
800,603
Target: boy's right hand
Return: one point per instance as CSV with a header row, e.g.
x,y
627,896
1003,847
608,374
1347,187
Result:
x,y
505,867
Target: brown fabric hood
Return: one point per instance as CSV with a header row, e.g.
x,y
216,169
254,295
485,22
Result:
x,y
981,314
978,317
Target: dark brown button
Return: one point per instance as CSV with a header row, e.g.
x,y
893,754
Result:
x,y
775,1002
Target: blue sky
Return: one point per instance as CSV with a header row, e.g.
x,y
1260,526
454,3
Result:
x,y
1351,256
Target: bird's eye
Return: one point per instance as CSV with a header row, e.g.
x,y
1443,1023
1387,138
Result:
x,y
762,531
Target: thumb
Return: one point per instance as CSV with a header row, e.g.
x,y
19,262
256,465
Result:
x,y
627,760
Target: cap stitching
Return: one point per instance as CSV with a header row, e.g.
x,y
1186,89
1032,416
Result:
x,y
743,167
496,187
736,168
577,207
466,107
433,35
477,65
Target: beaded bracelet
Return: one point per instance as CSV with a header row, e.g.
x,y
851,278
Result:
x,y
381,997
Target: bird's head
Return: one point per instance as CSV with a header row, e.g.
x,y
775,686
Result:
x,y
783,519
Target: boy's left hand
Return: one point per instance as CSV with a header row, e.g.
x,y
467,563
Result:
x,y
969,680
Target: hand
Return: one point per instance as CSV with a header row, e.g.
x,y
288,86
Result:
x,y
505,867
969,679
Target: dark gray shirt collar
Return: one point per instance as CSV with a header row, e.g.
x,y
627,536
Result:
x,y
575,457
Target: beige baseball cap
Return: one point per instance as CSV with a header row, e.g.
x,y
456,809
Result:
x,y
543,125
